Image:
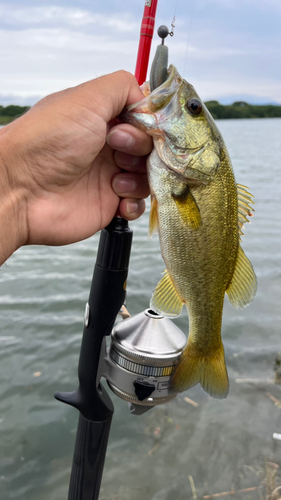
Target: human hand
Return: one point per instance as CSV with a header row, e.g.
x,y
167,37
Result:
x,y
62,176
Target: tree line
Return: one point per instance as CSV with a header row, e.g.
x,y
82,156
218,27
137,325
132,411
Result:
x,y
9,113
239,109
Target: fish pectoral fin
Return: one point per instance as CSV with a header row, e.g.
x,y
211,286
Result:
x,y
208,371
243,286
153,217
165,299
188,208
245,203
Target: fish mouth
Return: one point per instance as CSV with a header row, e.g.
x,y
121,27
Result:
x,y
146,114
159,96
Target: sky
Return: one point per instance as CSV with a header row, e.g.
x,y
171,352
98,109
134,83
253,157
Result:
x,y
228,49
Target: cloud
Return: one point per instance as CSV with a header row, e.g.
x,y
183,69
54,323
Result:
x,y
54,15
45,60
261,92
233,47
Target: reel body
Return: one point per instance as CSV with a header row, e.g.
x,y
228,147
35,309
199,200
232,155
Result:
x,y
140,360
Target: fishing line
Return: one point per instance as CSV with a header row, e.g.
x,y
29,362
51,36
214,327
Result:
x,y
188,37
173,23
176,4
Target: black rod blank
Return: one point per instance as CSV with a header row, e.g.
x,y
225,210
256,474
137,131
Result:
x,y
106,298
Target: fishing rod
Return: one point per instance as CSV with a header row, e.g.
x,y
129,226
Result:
x,y
146,35
144,349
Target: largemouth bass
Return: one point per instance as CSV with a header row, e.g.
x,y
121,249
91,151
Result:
x,y
199,211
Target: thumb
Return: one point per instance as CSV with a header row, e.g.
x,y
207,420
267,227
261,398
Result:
x,y
109,94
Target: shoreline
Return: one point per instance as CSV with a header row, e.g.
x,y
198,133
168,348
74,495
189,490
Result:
x,y
237,110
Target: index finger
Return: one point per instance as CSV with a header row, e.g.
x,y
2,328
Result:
x,y
128,139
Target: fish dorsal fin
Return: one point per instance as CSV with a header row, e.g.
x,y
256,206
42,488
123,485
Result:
x,y
243,286
153,218
165,299
187,207
244,206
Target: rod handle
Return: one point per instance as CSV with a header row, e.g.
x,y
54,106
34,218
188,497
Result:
x,y
88,458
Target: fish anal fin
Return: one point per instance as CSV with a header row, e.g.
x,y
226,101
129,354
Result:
x,y
153,217
165,299
188,209
208,371
245,203
243,285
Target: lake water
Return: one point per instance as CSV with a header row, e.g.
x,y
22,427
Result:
x,y
174,452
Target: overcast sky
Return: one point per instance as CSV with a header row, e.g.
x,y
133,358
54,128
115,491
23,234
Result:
x,y
234,45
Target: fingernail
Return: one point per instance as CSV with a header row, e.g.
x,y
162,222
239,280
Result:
x,y
123,186
132,206
120,139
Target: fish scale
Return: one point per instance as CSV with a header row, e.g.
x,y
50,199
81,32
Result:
x,y
198,210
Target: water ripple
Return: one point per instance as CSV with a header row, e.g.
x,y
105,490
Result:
x,y
42,295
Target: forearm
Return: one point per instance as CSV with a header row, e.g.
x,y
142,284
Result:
x,y
12,211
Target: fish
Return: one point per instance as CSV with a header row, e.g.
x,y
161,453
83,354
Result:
x,y
199,212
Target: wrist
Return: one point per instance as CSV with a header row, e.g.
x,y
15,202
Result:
x,y
13,225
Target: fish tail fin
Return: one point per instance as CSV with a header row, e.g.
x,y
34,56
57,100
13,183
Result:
x,y
209,371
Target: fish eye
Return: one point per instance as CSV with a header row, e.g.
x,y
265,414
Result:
x,y
194,106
